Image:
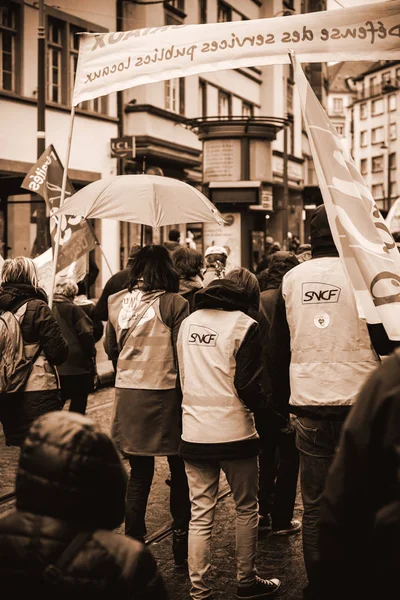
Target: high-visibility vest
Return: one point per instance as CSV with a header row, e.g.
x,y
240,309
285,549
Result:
x,y
331,351
146,360
212,411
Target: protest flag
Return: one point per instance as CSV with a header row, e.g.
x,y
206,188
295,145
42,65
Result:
x,y
77,239
364,242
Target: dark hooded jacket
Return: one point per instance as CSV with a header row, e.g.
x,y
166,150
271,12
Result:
x,y
70,478
359,525
38,325
188,287
225,295
322,245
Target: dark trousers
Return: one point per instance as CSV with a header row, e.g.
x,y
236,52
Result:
x,y
76,388
279,469
138,490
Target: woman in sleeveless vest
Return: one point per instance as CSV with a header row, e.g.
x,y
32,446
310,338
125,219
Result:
x,y
19,286
141,335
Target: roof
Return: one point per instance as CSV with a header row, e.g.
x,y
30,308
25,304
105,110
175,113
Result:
x,y
341,71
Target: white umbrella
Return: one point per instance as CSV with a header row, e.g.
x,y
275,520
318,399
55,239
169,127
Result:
x,y
146,199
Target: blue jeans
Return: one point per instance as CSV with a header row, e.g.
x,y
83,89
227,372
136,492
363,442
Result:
x,y
317,441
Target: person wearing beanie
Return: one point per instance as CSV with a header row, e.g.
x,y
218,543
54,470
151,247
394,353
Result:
x,y
70,495
215,258
322,352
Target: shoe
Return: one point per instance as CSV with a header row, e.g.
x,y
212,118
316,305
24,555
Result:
x,y
264,522
261,588
294,527
180,546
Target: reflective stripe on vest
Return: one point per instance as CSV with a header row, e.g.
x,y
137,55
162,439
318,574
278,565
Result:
x,y
208,342
331,351
146,360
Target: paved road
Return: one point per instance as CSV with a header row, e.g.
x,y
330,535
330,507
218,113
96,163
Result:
x,y
277,557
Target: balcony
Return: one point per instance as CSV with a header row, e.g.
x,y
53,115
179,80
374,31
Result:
x,y
376,90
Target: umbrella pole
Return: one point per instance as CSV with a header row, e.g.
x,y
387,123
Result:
x,y
62,197
97,242
141,236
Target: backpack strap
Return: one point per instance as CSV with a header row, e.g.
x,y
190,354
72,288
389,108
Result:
x,y
137,318
53,573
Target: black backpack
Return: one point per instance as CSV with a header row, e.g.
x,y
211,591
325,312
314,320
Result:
x,y
15,368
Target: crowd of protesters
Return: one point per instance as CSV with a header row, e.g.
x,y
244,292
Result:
x,y
269,377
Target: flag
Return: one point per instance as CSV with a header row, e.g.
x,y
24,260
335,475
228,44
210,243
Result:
x,y
76,239
364,242
112,61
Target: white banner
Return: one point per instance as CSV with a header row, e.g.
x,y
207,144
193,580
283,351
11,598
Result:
x,y
109,62
365,245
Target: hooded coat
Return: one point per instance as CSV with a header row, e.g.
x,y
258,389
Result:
x,y
70,478
219,296
37,326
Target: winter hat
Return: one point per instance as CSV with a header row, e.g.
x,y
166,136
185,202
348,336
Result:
x,y
215,250
320,231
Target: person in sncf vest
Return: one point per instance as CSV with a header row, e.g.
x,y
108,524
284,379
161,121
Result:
x,y
40,330
219,354
141,335
321,352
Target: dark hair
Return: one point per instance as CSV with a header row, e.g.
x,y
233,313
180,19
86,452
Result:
x,y
174,235
248,282
263,279
187,261
153,269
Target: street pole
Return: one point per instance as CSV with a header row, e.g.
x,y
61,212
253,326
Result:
x,y
41,92
285,220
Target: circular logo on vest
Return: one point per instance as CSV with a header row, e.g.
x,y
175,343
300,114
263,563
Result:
x,y
322,320
130,304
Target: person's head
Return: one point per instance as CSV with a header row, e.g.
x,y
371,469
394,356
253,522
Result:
x,y
174,235
263,278
132,254
70,470
19,270
281,262
188,262
215,254
67,288
303,252
248,282
153,269
320,231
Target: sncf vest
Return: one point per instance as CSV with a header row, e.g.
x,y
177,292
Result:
x,y
146,360
331,351
208,342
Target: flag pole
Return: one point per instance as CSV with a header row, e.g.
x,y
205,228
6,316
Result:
x,y
96,239
62,197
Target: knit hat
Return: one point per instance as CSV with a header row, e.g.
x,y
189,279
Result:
x,y
319,224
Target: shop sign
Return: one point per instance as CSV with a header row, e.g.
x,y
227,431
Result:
x,y
123,147
267,199
221,160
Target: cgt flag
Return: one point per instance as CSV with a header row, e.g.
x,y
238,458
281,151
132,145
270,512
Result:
x,y
45,178
364,242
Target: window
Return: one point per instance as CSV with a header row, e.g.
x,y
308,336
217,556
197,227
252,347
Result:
x,y
340,129
177,4
377,191
392,102
203,11
54,61
392,131
62,60
247,109
363,110
386,77
377,135
377,107
392,160
393,189
224,104
338,105
377,163
202,98
175,95
363,138
9,60
373,86
364,166
224,13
